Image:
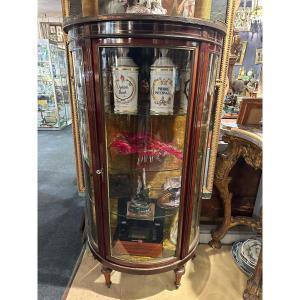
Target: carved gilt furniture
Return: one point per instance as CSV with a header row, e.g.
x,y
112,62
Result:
x,y
246,142
241,143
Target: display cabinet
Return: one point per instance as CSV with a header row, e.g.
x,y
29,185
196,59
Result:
x,y
213,10
144,89
53,98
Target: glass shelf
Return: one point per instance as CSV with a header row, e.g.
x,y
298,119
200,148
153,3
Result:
x,y
144,114
139,170
168,213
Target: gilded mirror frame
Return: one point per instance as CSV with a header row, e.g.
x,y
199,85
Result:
x,y
90,8
221,86
65,4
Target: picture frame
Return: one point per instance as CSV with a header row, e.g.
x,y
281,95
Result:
x,y
250,112
241,56
258,56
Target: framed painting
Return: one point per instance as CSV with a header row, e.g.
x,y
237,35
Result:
x,y
250,111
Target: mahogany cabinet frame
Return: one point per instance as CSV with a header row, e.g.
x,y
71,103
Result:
x,y
203,38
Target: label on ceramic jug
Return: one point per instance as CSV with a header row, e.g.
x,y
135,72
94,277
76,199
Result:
x,y
162,90
125,89
184,89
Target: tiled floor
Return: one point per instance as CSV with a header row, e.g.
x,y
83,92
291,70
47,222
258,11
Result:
x,y
212,275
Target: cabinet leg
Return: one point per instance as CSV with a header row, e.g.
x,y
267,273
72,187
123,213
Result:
x,y
106,272
178,274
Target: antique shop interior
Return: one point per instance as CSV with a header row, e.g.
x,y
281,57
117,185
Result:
x,y
149,117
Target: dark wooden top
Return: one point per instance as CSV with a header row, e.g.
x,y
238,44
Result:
x,y
152,26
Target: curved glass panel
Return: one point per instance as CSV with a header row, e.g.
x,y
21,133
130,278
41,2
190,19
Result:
x,y
205,140
146,93
62,64
85,142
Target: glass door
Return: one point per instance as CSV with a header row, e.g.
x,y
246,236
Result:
x,y
145,93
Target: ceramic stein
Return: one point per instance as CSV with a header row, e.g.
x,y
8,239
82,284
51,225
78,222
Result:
x,y
162,85
125,84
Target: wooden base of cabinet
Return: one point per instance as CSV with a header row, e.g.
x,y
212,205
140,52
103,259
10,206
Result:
x,y
138,248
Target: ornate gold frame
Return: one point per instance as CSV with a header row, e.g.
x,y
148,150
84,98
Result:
x,y
75,128
221,84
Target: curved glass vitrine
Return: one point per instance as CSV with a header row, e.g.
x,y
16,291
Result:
x,y
149,87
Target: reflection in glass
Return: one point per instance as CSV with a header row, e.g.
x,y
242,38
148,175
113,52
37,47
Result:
x,y
85,142
145,140
205,140
219,10
81,102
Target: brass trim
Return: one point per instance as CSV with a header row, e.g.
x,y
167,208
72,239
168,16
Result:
x,y
75,127
221,93
218,82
